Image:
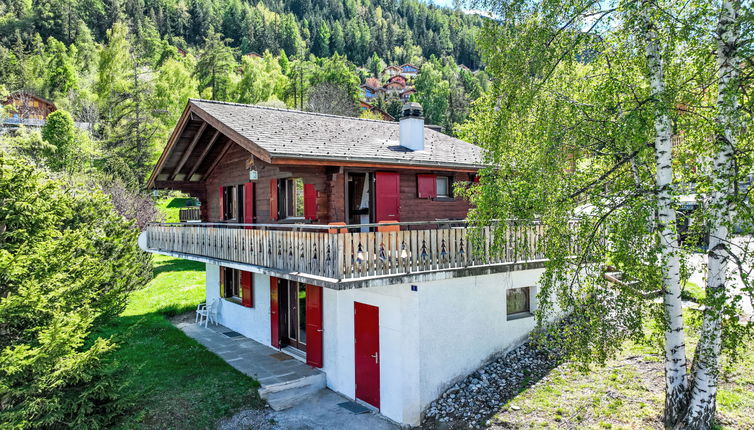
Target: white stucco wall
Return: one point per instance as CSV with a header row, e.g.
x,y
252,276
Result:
x,y
464,323
399,353
253,322
429,338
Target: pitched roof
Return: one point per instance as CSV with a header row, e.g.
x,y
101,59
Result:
x,y
373,82
283,133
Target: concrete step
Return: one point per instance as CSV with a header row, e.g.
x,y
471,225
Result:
x,y
286,394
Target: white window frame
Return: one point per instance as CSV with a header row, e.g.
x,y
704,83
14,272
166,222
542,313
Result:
x,y
522,314
448,184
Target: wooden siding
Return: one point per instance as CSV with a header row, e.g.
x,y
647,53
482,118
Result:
x,y
329,182
231,170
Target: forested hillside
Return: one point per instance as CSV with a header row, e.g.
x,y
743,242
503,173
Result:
x,y
398,30
128,67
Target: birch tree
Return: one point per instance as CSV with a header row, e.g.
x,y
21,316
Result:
x,y
614,113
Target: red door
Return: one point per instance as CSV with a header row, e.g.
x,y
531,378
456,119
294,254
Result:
x,y
387,196
274,312
314,325
367,352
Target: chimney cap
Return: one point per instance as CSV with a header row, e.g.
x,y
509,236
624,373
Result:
x,y
412,109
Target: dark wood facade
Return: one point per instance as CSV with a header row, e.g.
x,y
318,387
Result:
x,y
204,154
330,185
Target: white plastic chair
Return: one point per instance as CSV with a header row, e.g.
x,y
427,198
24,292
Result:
x,y
206,313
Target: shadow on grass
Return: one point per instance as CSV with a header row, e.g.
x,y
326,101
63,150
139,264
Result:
x,y
179,202
171,380
176,265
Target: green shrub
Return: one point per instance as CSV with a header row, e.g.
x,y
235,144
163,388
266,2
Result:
x,y
67,264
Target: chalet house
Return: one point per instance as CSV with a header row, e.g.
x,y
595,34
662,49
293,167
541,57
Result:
x,y
374,109
23,105
409,70
340,242
397,79
406,94
391,71
395,88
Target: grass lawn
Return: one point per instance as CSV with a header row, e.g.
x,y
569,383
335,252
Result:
x,y
625,394
175,382
169,207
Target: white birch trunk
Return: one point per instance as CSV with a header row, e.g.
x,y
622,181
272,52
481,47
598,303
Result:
x,y
701,408
675,348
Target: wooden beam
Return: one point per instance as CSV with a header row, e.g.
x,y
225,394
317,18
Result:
x,y
204,153
179,185
240,139
188,151
174,136
220,155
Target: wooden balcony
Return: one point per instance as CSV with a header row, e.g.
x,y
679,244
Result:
x,y
329,255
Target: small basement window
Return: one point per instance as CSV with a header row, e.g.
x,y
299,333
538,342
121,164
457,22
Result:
x,y
518,302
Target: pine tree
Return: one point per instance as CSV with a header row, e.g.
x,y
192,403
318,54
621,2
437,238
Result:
x,y
215,67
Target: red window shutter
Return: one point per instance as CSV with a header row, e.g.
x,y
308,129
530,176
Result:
x,y
314,325
310,202
247,289
248,202
274,320
426,186
222,203
388,196
274,199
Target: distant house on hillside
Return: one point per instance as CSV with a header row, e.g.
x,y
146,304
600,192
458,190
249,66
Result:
x,y
397,78
409,70
371,108
23,105
28,109
395,88
371,89
405,95
391,71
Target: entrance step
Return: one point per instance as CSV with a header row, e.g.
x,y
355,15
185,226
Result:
x,y
284,395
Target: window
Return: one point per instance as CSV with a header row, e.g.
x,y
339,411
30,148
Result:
x,y
231,283
518,302
443,186
431,186
292,198
233,203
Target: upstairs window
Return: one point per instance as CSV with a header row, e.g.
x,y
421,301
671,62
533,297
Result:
x,y
232,198
443,186
434,186
292,198
518,302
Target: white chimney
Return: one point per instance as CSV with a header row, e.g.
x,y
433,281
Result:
x,y
412,127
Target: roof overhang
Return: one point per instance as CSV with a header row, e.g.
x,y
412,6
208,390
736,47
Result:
x,y
195,147
199,141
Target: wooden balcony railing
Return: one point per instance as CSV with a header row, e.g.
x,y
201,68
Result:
x,y
190,214
317,250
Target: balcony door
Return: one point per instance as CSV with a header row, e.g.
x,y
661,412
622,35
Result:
x,y
292,299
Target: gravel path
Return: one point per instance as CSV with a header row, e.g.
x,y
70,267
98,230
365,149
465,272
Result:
x,y
470,402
